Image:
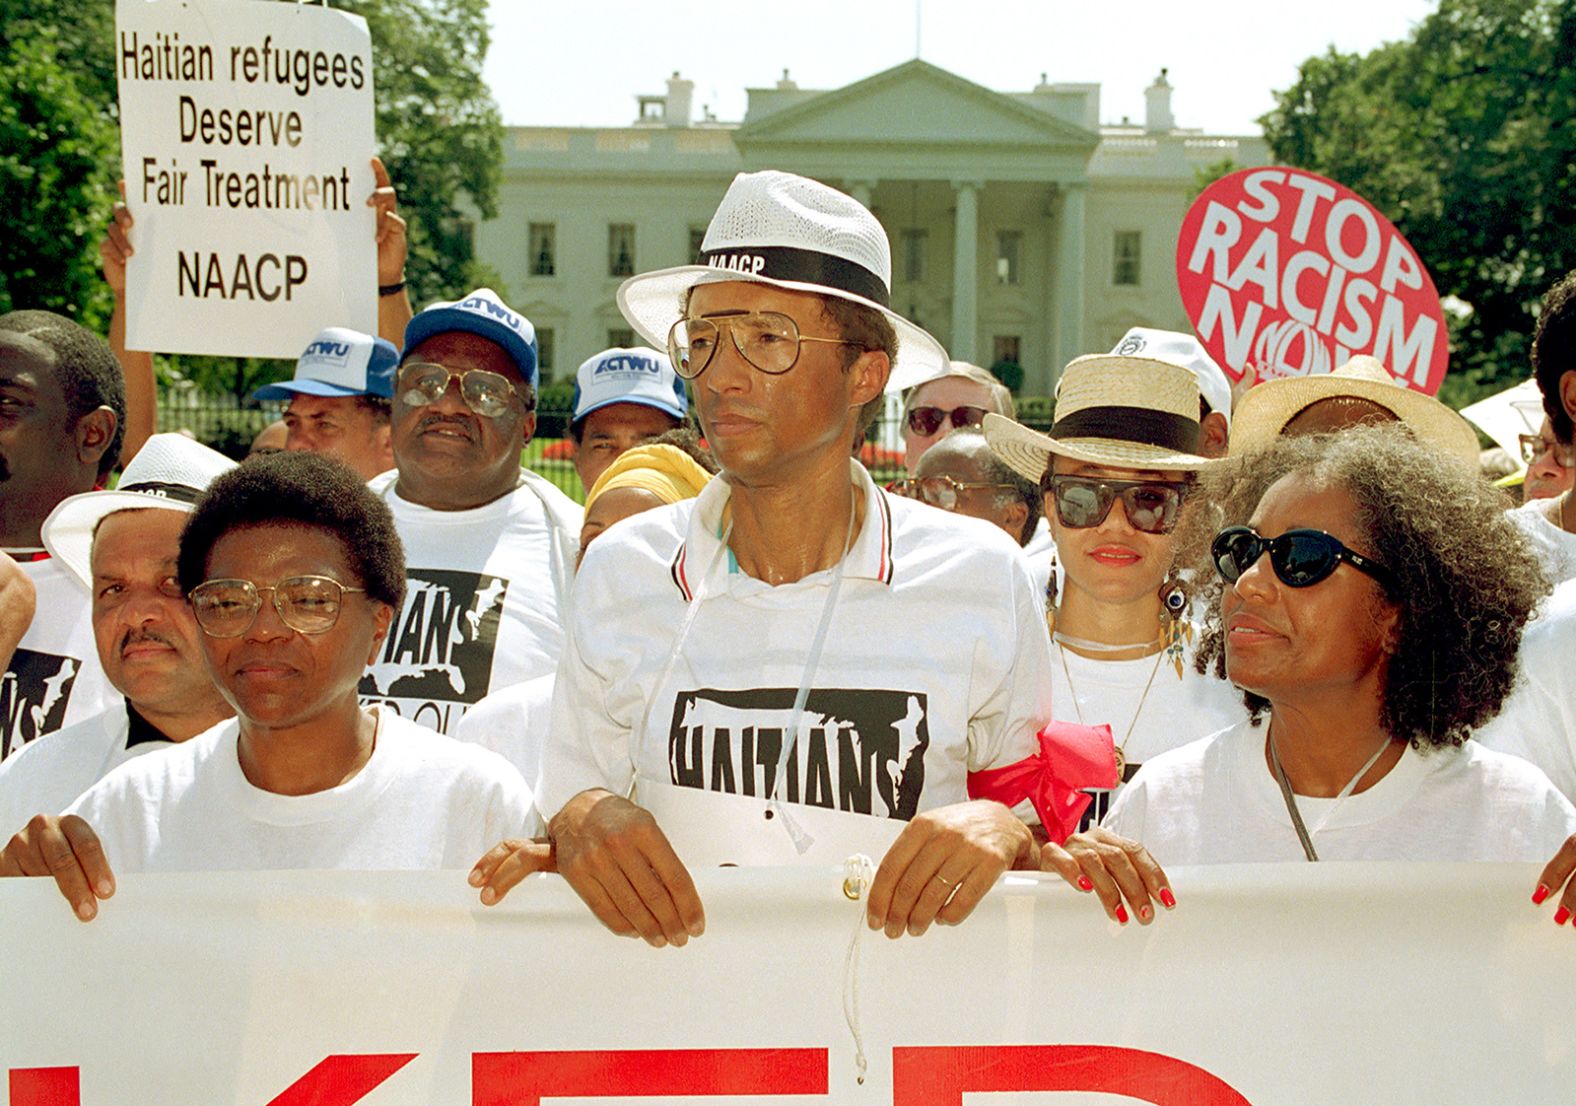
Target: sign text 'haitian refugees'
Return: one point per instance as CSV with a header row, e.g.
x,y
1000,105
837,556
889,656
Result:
x,y
247,138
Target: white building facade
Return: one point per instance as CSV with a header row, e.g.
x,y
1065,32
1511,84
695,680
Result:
x,y
1022,229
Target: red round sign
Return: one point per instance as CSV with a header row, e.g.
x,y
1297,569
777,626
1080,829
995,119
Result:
x,y
1285,273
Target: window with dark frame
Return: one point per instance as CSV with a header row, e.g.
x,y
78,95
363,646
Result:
x,y
1126,257
544,249
544,353
1009,247
621,249
916,244
1006,347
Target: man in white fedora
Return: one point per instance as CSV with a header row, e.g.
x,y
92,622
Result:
x,y
622,397
339,399
122,546
1176,348
1360,392
794,666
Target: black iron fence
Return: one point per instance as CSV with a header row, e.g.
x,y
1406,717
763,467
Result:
x,y
229,423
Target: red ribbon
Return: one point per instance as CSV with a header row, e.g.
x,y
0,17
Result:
x,y
1071,758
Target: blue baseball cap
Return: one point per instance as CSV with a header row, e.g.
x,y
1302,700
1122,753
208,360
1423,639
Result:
x,y
339,362
619,375
483,314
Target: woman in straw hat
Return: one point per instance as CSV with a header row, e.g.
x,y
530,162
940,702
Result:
x,y
1369,600
1117,470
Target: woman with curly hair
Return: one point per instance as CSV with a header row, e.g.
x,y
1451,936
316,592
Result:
x,y
1370,601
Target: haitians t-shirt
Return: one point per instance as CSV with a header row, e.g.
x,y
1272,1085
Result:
x,y
935,664
485,596
55,679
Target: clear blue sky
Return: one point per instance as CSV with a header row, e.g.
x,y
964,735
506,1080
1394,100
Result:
x,y
583,64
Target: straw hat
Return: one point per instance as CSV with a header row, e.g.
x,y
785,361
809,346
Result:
x,y
1125,412
170,472
1262,414
790,232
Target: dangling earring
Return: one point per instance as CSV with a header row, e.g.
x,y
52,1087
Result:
x,y
1176,632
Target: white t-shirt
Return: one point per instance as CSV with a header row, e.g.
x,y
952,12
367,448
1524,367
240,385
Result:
x,y
936,664
1177,709
55,678
46,776
1538,720
485,595
1553,545
421,801
513,723
1215,802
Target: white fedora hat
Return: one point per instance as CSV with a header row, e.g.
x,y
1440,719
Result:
x,y
1125,412
1265,410
170,471
792,232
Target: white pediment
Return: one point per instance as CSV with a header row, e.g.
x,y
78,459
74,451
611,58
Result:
x,y
915,104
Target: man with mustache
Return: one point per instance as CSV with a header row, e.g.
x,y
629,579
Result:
x,y
122,546
62,405
490,547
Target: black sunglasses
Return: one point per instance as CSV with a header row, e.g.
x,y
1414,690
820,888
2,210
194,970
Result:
x,y
1151,506
1300,558
925,421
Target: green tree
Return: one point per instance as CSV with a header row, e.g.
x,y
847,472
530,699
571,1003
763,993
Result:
x,y
1464,135
59,145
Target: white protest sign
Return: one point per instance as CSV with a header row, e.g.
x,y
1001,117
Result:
x,y
1273,985
246,139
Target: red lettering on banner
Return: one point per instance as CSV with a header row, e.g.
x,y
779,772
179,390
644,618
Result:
x,y
45,1086
342,1080
941,1076
525,1078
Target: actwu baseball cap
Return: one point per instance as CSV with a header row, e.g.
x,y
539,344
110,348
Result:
x,y
339,362
620,375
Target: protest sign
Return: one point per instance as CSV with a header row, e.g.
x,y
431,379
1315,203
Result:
x,y
1277,985
1285,273
246,143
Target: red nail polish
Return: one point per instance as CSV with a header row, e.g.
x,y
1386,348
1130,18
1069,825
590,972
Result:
x,y
1561,916
1540,894
1084,884
1121,914
1167,899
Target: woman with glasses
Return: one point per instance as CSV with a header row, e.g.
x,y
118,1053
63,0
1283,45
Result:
x,y
1369,599
294,571
1117,470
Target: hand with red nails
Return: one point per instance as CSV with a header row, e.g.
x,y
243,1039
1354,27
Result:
x,y
1558,875
1114,868
67,849
943,862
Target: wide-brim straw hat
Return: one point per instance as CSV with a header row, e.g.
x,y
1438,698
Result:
x,y
795,233
1123,412
1262,414
170,472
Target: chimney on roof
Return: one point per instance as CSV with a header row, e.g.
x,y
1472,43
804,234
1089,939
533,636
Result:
x,y
787,84
681,94
1157,106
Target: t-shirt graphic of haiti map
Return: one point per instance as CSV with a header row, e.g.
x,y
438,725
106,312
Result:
x,y
863,753
33,696
438,658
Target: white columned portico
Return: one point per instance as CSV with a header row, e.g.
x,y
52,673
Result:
x,y
965,270
1069,275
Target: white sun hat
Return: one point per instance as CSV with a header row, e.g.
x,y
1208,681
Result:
x,y
791,232
1185,350
170,472
1124,412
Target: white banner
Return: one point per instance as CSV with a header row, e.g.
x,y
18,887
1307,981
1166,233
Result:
x,y
246,144
1288,985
